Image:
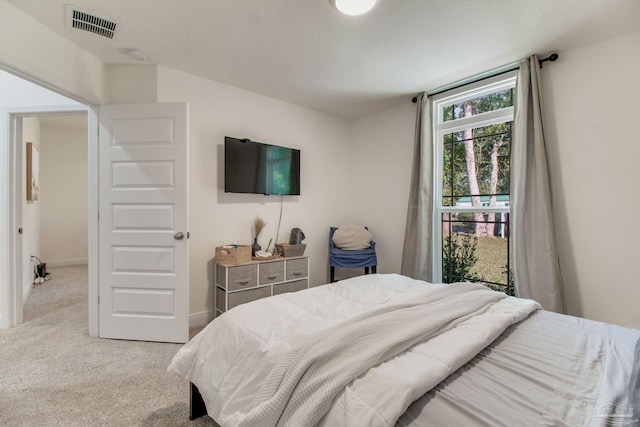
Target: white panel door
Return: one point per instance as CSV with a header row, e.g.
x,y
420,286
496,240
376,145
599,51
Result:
x,y
143,215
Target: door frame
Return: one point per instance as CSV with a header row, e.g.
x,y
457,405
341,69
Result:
x,y
11,279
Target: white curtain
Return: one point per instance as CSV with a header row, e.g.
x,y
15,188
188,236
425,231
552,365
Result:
x,y
416,254
535,259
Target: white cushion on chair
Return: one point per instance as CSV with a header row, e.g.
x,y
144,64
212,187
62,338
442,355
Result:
x,y
352,237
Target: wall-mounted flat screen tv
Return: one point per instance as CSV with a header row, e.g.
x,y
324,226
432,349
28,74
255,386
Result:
x,y
254,167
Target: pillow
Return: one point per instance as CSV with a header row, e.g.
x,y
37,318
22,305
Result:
x,y
352,237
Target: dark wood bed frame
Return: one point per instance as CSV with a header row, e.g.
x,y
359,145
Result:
x,y
197,408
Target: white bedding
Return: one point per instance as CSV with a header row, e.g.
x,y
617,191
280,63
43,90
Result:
x,y
232,357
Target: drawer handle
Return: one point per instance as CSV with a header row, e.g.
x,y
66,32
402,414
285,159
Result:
x,y
242,282
272,277
296,273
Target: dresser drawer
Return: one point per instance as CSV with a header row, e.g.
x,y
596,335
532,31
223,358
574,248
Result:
x,y
296,285
297,268
271,272
220,299
242,297
239,277
242,283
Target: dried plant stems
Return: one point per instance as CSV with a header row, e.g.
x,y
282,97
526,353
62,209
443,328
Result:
x,y
258,225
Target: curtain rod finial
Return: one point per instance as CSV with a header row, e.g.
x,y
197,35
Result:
x,y
553,57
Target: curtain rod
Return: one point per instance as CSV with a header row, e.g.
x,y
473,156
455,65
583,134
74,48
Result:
x,y
492,73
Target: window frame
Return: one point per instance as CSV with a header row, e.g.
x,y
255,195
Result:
x,y
441,128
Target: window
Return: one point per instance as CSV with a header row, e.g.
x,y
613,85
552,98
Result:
x,y
472,135
279,173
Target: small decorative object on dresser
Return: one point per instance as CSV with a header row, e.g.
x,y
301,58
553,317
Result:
x,y
288,250
296,237
233,254
258,226
239,284
295,247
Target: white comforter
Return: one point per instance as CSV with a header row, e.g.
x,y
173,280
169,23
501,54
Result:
x,y
232,357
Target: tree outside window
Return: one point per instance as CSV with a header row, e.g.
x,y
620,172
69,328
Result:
x,y
473,131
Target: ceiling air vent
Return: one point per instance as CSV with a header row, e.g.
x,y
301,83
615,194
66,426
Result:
x,y
90,22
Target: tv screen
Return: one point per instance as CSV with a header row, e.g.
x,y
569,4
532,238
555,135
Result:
x,y
254,167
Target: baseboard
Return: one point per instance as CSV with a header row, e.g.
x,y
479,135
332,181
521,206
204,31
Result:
x,y
200,319
67,262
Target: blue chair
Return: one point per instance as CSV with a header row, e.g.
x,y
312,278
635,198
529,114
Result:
x,y
343,258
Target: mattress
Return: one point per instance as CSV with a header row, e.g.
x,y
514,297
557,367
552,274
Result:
x,y
548,368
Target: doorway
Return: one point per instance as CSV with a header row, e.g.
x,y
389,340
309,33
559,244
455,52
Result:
x,y
35,104
126,159
55,234
63,211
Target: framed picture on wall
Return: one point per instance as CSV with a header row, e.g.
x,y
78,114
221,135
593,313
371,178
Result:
x,y
33,172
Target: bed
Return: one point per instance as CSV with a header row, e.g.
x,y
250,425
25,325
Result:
x,y
385,350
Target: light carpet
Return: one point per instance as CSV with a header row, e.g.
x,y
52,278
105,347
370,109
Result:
x,y
53,374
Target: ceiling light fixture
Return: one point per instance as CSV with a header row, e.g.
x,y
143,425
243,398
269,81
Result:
x,y
353,7
137,54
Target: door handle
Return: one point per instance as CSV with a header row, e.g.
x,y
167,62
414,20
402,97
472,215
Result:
x,y
178,236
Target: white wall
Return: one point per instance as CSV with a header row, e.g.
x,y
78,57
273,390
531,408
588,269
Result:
x,y
132,84
591,97
382,153
217,218
64,197
30,209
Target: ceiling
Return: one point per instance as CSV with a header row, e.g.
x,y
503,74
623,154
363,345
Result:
x,y
305,52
